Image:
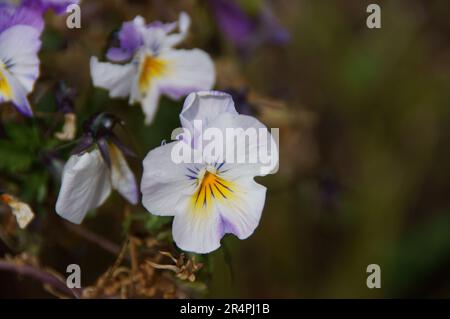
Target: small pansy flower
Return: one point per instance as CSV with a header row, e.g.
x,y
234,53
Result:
x,y
210,196
97,167
146,65
20,31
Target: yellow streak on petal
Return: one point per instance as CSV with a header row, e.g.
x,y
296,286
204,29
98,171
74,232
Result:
x,y
151,68
5,88
212,188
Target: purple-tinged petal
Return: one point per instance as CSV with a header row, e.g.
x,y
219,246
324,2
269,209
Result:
x,y
59,6
273,30
245,31
104,151
83,145
118,55
236,25
11,16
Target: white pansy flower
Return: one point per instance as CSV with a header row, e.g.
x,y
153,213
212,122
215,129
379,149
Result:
x,y
90,175
209,196
146,65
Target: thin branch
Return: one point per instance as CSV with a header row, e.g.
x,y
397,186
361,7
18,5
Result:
x,y
40,275
94,238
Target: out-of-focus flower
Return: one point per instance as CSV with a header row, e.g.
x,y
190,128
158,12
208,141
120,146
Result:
x,y
247,31
153,67
211,196
20,31
59,6
98,166
22,211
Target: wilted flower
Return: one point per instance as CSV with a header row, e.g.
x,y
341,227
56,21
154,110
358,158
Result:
x,y
65,100
22,211
20,31
153,68
211,196
98,166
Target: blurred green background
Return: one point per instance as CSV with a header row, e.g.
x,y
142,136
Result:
x,y
364,119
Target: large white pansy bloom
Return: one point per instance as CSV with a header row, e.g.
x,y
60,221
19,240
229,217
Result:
x,y
209,197
152,66
88,180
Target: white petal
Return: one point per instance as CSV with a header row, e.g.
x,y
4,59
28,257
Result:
x,y
122,177
240,216
19,46
17,94
150,104
116,78
86,184
164,184
187,71
205,106
251,147
198,233
184,23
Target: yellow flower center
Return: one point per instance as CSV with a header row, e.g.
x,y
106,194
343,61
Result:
x,y
151,67
5,88
211,187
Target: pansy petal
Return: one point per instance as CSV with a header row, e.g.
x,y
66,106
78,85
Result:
x,y
116,78
197,232
240,215
118,55
150,104
86,184
184,22
130,34
130,38
204,107
165,185
59,6
122,177
188,71
12,16
15,93
246,143
19,46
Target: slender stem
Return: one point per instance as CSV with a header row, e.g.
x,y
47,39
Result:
x,y
94,238
40,275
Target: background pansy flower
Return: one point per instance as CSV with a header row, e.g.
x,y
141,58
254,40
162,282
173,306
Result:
x,y
248,30
59,6
152,66
20,31
97,167
209,198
